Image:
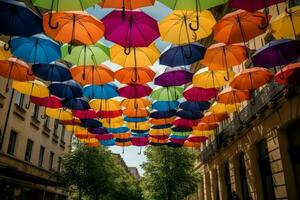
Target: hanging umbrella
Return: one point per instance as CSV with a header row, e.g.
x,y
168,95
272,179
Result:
x,y
76,27
136,103
197,139
233,96
139,141
118,130
128,75
109,114
160,132
136,112
165,105
72,122
59,113
48,102
108,143
192,115
191,4
4,54
35,49
176,76
126,4
167,93
240,26
105,105
113,120
182,55
205,126
52,72
282,76
211,118
106,91
192,93
64,5
138,125
76,104
137,30
206,78
98,131
194,105
133,91
19,20
161,126
135,119
122,135
287,24
221,56
181,131
276,53
180,122
67,89
90,123
84,114
162,114
250,79
188,144
161,121
224,108
175,27
16,69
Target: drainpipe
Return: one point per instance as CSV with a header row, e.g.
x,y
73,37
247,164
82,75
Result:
x,y
2,135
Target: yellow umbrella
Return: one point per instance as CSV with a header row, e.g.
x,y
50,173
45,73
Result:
x,y
175,27
4,55
89,140
224,108
138,125
165,131
202,133
75,128
140,103
59,113
287,24
105,105
206,78
113,125
112,120
138,57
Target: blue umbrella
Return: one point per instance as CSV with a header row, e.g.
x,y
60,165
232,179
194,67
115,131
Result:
x,y
174,145
108,143
162,114
139,135
52,72
98,131
164,126
66,90
165,105
118,130
140,131
18,20
177,136
181,129
76,104
36,49
90,123
135,119
195,105
182,55
189,114
106,91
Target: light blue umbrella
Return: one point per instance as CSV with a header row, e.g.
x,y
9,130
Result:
x,y
165,105
106,91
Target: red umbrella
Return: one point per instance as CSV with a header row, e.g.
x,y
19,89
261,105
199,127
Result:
x,y
282,76
193,93
48,102
85,114
180,122
109,114
197,139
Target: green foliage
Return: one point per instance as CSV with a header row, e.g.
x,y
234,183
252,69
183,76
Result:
x,y
96,174
169,174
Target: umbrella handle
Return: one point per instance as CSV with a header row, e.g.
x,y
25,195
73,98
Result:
x,y
287,11
140,153
50,20
6,46
190,52
27,106
281,74
227,78
127,50
197,25
135,79
69,49
6,87
267,22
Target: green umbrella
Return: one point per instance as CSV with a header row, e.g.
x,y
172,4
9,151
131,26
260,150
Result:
x,y
167,93
194,5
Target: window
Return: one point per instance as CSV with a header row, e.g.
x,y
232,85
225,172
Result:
x,y
62,137
51,157
56,123
41,156
12,143
227,178
20,99
28,151
46,122
265,170
59,164
243,176
35,113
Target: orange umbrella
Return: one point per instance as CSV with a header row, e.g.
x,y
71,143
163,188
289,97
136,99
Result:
x,y
122,135
96,75
16,69
158,122
136,112
250,79
76,27
189,144
126,4
282,77
233,96
240,26
143,75
205,126
210,117
140,103
159,141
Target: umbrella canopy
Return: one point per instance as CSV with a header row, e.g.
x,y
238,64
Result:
x,y
176,76
205,126
206,78
192,93
67,89
282,76
135,119
224,108
92,74
84,114
276,53
174,28
109,114
240,26
136,112
108,143
76,27
126,4
106,91
4,53
59,113
191,4
64,5
167,93
70,123
98,131
182,55
52,72
250,79
76,104
160,132
210,117
33,88
287,24
90,123
136,103
197,139
162,114
253,5
180,122
105,105
194,105
129,75
49,102
233,96
35,49
139,141
192,115
165,105
118,130
137,30
133,91
85,54
161,121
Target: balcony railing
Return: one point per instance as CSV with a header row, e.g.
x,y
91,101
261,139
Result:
x,y
261,100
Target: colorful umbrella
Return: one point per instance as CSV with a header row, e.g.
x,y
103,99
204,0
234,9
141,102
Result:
x,y
192,115
250,79
135,119
73,27
67,89
136,112
52,72
180,122
84,114
118,130
105,105
192,93
282,76
233,96
161,121
76,104
174,28
162,114
98,131
4,54
90,123
126,4
182,55
136,103
194,105
35,49
205,126
224,108
109,114
139,141
165,105
133,91
167,93
64,5
197,139
129,75
59,113
48,102
211,118
176,76
106,91
253,5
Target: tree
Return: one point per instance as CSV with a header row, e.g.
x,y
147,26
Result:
x,y
169,173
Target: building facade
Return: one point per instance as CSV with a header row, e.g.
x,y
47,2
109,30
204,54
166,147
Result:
x,y
31,148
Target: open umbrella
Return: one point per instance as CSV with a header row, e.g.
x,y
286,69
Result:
x,y
250,79
224,108
165,105
126,4
205,126
92,74
167,93
105,105
135,119
52,72
194,105
192,93
59,113
192,115
161,121
210,117
109,114
282,76
35,49
175,76
133,91
233,96
180,122
90,123
76,104
98,131
16,69
136,103
106,91
4,54
64,5
67,89
84,114
136,112
18,20
162,114
140,75
48,102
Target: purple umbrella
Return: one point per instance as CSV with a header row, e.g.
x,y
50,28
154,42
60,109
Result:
x,y
98,131
175,76
138,29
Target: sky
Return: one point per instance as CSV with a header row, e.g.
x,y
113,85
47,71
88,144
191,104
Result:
x,y
158,12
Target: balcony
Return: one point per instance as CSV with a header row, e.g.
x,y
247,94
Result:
x,y
261,100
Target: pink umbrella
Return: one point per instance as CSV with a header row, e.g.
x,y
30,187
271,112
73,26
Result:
x,y
85,114
134,91
193,93
140,141
137,30
177,141
180,122
49,102
105,137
